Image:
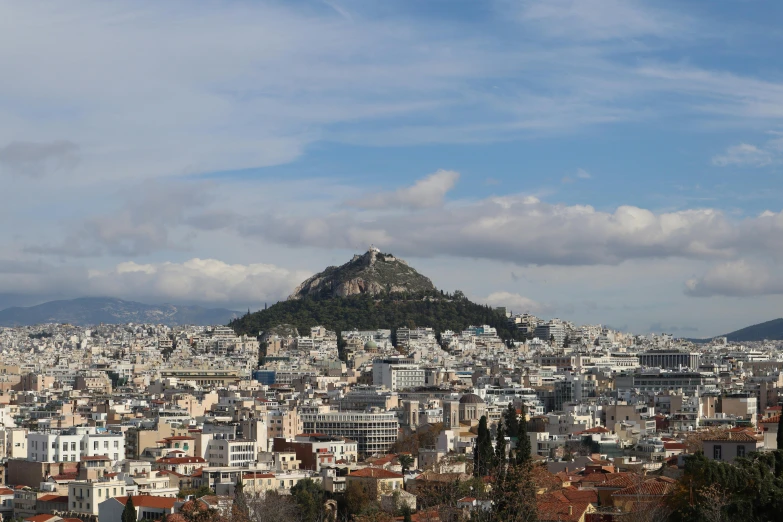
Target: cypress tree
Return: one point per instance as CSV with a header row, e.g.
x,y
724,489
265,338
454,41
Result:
x,y
482,453
780,431
523,442
129,513
500,447
511,420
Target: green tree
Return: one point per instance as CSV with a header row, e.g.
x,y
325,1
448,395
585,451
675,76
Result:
x,y
523,442
406,461
240,512
779,438
511,420
406,513
309,497
500,448
514,497
129,512
483,454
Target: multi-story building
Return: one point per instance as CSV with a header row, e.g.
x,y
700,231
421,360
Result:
x,y
374,433
397,374
75,444
670,359
232,453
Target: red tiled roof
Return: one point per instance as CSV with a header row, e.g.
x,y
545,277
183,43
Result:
x,y
249,476
771,420
41,518
378,473
597,429
655,487
54,498
6,491
560,511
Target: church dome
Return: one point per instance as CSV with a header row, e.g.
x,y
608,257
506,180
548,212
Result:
x,y
370,345
471,398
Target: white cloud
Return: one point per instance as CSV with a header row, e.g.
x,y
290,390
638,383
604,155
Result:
x,y
202,281
515,302
425,193
583,174
196,280
743,155
736,278
525,230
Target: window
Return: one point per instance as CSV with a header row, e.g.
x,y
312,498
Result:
x,y
716,452
73,446
740,451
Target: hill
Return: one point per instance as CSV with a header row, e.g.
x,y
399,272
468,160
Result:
x,y
772,330
372,273
95,310
372,291
364,312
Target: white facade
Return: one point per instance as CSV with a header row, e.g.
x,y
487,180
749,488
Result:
x,y
234,453
72,447
397,374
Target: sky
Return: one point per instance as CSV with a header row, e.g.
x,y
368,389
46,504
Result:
x,y
602,161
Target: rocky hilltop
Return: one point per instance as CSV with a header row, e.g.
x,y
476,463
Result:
x,y
372,273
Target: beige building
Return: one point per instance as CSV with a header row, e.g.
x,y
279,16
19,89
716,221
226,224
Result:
x,y
732,443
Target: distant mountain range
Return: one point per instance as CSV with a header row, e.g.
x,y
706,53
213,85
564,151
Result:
x,y
771,330
96,310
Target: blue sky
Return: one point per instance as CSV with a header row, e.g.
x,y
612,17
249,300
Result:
x,y
604,161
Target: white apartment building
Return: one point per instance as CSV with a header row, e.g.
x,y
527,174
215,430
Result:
x,y
235,453
397,374
374,433
74,445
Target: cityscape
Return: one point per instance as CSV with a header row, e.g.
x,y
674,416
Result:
x,y
391,261
185,420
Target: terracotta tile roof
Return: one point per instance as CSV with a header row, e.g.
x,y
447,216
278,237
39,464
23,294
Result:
x,y
561,511
597,429
733,436
54,498
771,420
250,476
6,491
378,473
41,518
149,501
650,488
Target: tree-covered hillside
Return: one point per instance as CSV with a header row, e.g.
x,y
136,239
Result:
x,y
439,311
